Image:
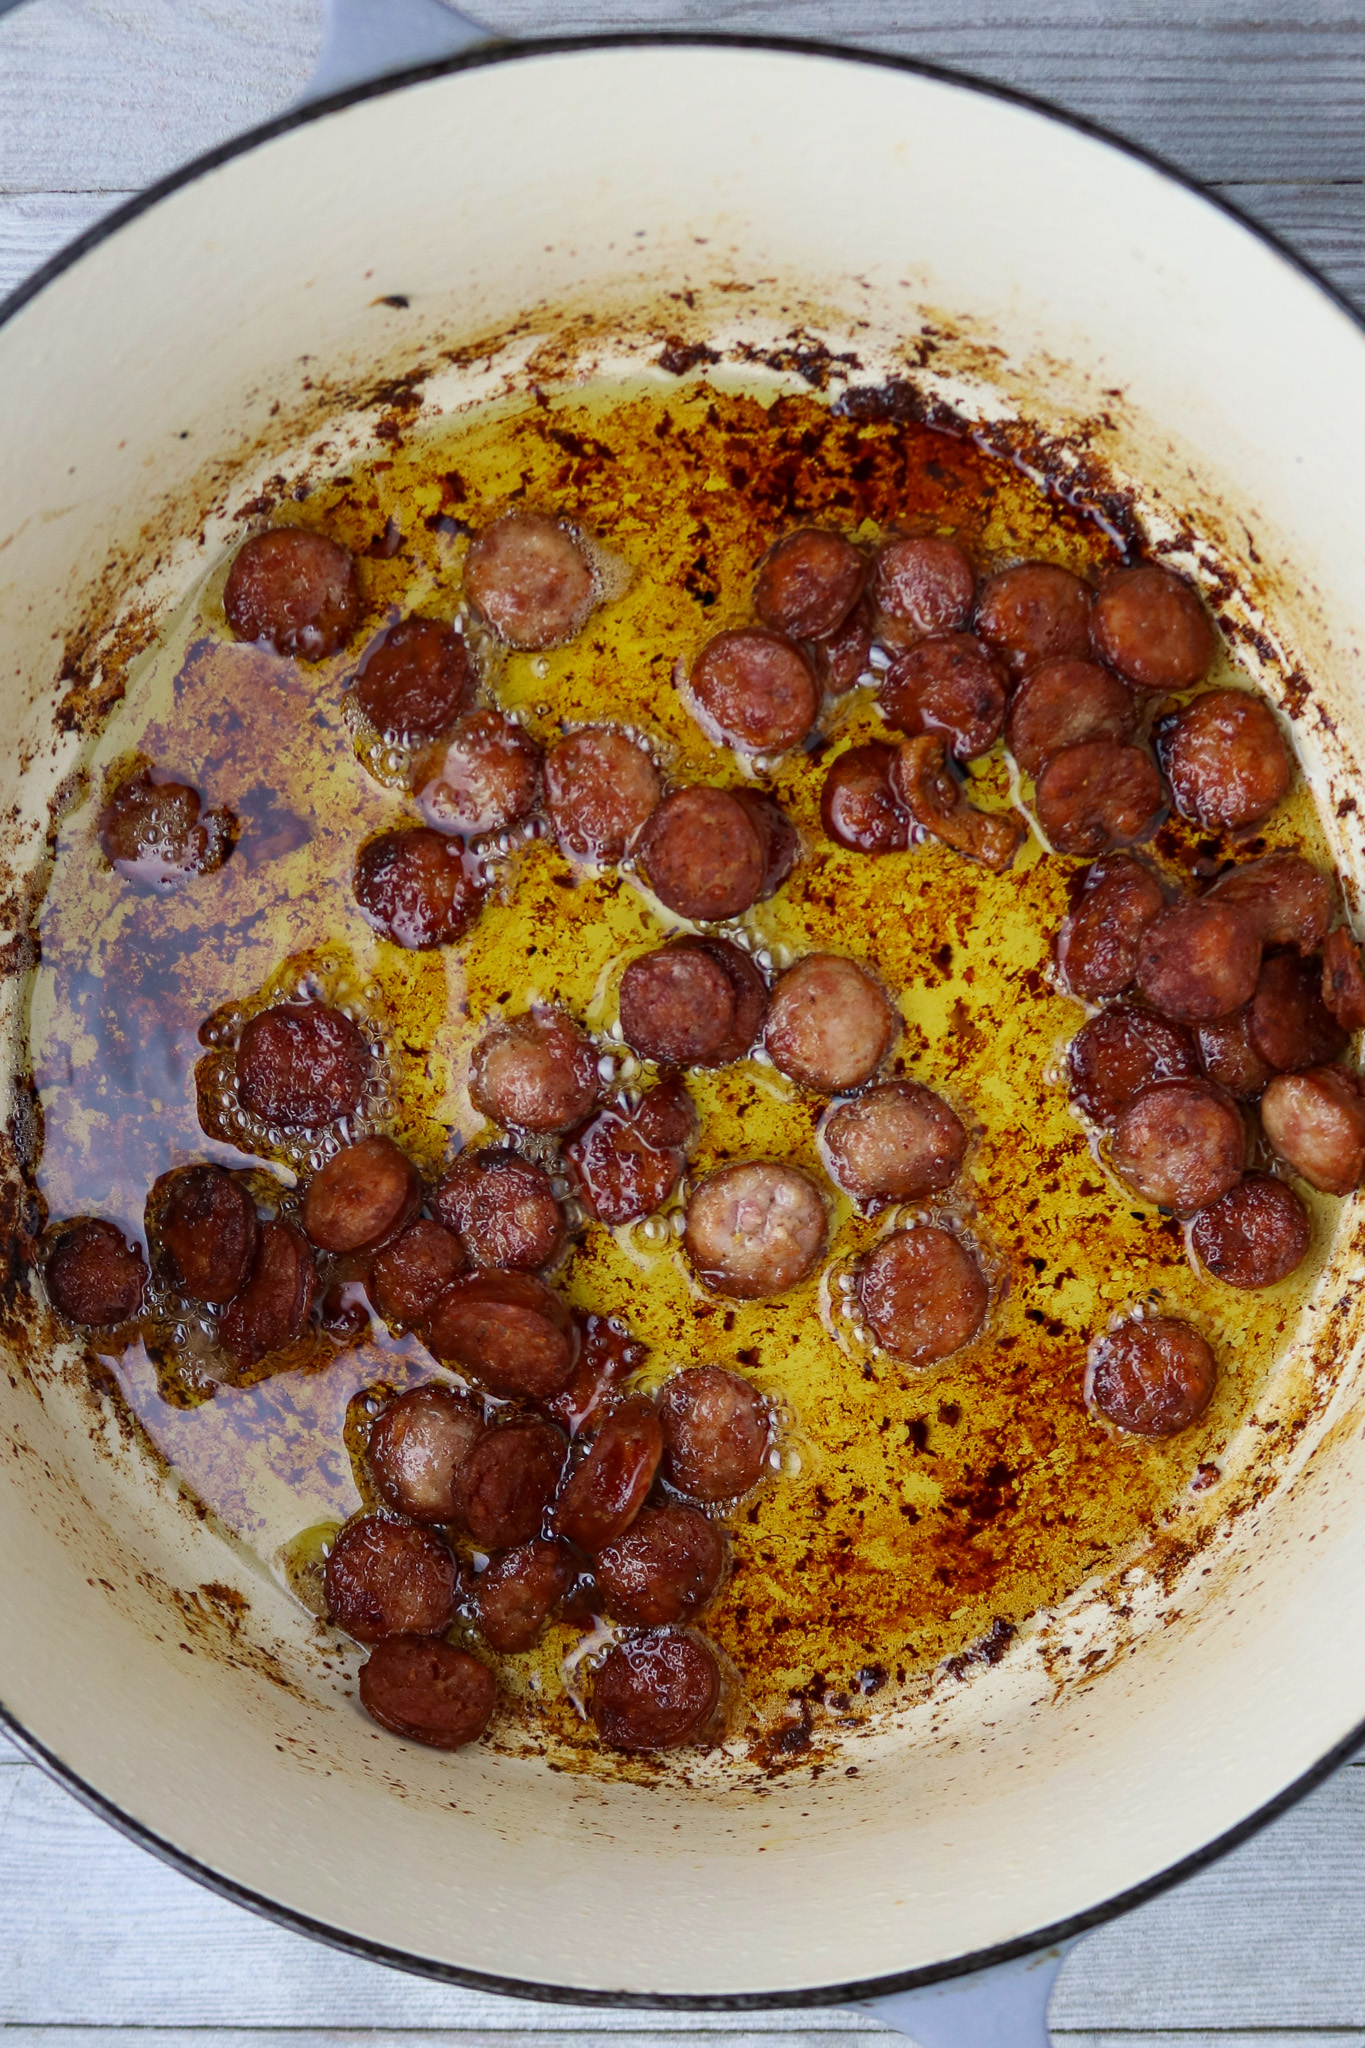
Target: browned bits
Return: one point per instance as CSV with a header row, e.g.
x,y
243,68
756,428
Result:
x,y
1343,983
628,1161
755,690
417,1447
1152,1377
204,1226
1254,1235
829,1025
503,1209
809,583
694,1003
897,1142
841,658
1180,1144
536,1072
1288,1023
664,1569
361,1196
1033,613
295,590
858,806
1199,960
531,580
387,1578
601,787
301,1065
1063,704
485,779
950,685
415,680
509,1329
508,1480
1149,624
755,1228
923,1294
1120,1052
155,832
717,1433
1287,899
703,855
607,1491
1098,944
1097,795
1229,1058
410,1275
1316,1122
418,888
921,587
520,1590
427,1691
1226,759
94,1275
924,783
656,1692
275,1306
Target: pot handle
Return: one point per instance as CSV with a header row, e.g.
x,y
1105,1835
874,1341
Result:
x,y
366,39
1002,2007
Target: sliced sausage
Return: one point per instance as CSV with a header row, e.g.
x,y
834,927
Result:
x,y
1149,624
301,1065
841,657
601,787
1254,1235
427,1691
417,1448
921,587
1119,1053
923,1294
694,1003
665,1568
1287,899
1152,1377
858,806
508,1480
1229,1058
1098,944
1063,704
536,1072
896,1143
412,1273
1288,1023
829,1024
503,1209
778,836
94,1275
628,1161
1180,1144
703,855
1033,613
755,1228
486,778
656,1692
1343,983
755,690
415,680
1316,1122
296,591
360,1197
1226,759
924,783
385,1578
1097,795
607,1354
276,1304
809,583
717,1433
156,832
950,685
204,1225
531,580
519,1592
418,888
1198,960
343,1312
607,1491
509,1329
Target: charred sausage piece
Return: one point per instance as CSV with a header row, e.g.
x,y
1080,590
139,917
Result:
x,y
607,1354
627,1162
1288,1023
1226,759
509,1329
755,1228
703,855
609,1488
896,1143
361,1197
418,888
1254,1235
829,1024
1287,899
294,590
949,685
519,1592
664,1569
1098,944
717,1433
427,1691
924,783
841,657
1119,1053
1229,1058
923,1294
777,835
755,690
508,1480
205,1228
1152,1377
94,1276
1180,1144
410,1275
1063,704
1316,1122
858,806
537,1072
1343,983
1033,613
277,1302
656,1692
919,588
809,583
1197,961
385,1578
416,680
301,1065
1149,624
531,580
156,832
502,1208
1097,795
695,1003
417,1449
484,780
601,788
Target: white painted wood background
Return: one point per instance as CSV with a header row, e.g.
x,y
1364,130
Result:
x,y
100,1945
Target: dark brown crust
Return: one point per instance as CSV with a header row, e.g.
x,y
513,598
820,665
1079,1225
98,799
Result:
x,y
301,1065
1119,1053
607,1491
808,583
923,782
294,590
508,1480
859,807
428,1692
203,1227
1097,947
1035,612
410,1275
95,1277
389,1578
655,1692
415,680
663,1570
1098,795
276,1305
1226,759
1063,703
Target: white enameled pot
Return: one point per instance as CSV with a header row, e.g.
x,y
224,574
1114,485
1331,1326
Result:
x,y
556,202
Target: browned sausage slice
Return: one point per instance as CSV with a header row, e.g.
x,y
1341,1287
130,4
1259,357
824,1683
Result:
x,y
1254,1235
1343,983
1180,1144
94,1275
921,587
1061,705
503,1209
1152,1377
1199,960
896,1143
609,1488
418,888
484,779
950,685
531,580
1288,1023
1287,899
204,1225
601,787
703,855
361,1196
417,1447
1033,613
277,1302
1149,624
628,1161
385,1578
536,1072
841,657
508,1480
754,690
923,1294
155,832
517,1594
410,1275
829,1025
1119,1053
664,1569
1226,759
1316,1122
607,1353
428,1692
294,590
415,680
809,583
301,1065
717,1433
694,1003
778,837
755,1228
656,1692
1229,1058
509,1329
1097,795
1098,944
924,783
858,806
